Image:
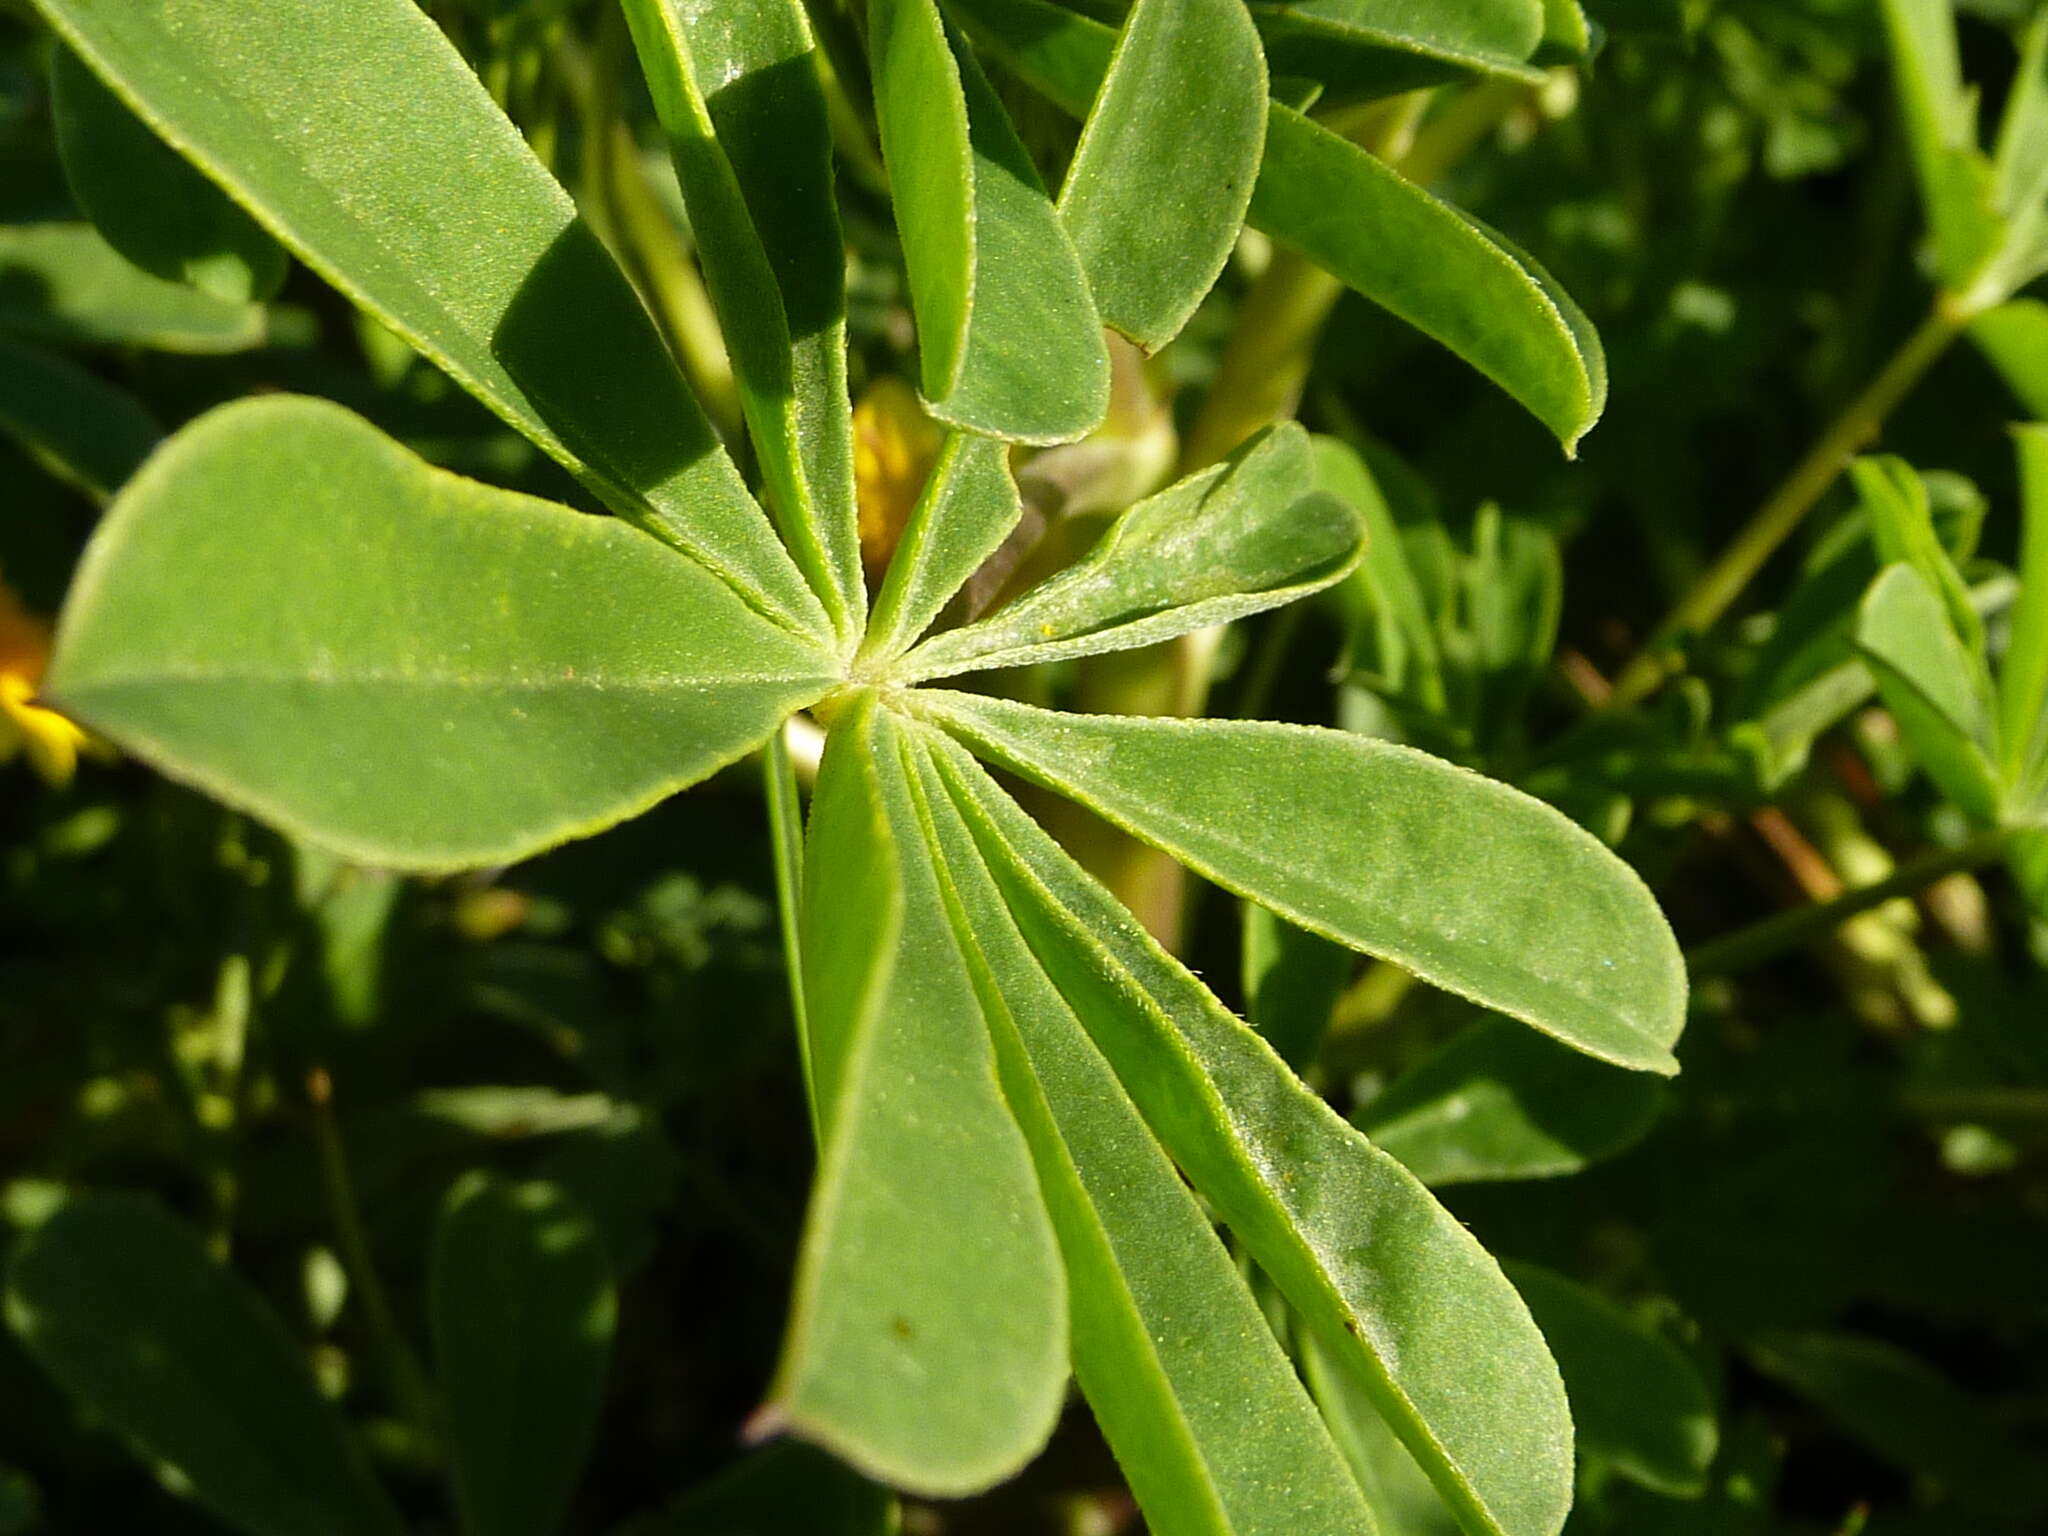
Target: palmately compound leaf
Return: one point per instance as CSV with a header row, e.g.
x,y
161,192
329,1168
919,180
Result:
x,y
523,1311
438,219
1009,340
1470,884
152,206
927,1339
1246,535
737,88
121,1303
1406,250
1401,1295
290,610
1159,184
1175,1358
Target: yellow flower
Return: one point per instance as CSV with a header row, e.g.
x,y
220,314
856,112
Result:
x,y
894,447
50,741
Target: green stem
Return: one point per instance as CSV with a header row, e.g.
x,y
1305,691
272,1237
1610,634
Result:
x,y
1776,935
404,1377
1713,593
786,833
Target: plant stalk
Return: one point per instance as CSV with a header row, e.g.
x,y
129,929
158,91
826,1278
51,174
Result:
x,y
1786,931
404,1377
1719,586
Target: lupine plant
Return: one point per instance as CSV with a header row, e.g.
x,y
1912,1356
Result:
x,y
1008,1077
825,470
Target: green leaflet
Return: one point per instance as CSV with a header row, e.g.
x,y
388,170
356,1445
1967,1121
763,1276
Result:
x,y
2023,675
1957,183
1246,535
2015,338
1406,647
1411,1305
439,221
1638,1404
1177,1361
288,609
1932,686
969,507
736,85
78,427
523,1310
62,283
149,203
2021,158
1292,981
1159,184
120,1302
927,1339
1011,344
1416,256
1472,885
1403,1500
1902,528
1361,49
1436,268
1497,1102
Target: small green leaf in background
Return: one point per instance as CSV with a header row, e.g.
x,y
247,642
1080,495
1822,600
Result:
x,y
63,284
2021,157
1638,1404
1956,180
1010,342
1361,49
523,1311
1405,645
2023,675
1159,184
477,259
737,90
1177,1362
1401,1294
1249,534
406,667
927,1339
1436,268
121,1303
1470,884
968,508
1498,1102
79,427
1906,1412
1901,514
1931,685
1292,980
785,1489
1404,249
149,202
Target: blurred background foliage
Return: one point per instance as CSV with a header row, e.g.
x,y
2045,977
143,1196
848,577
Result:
x,y
1827,1238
